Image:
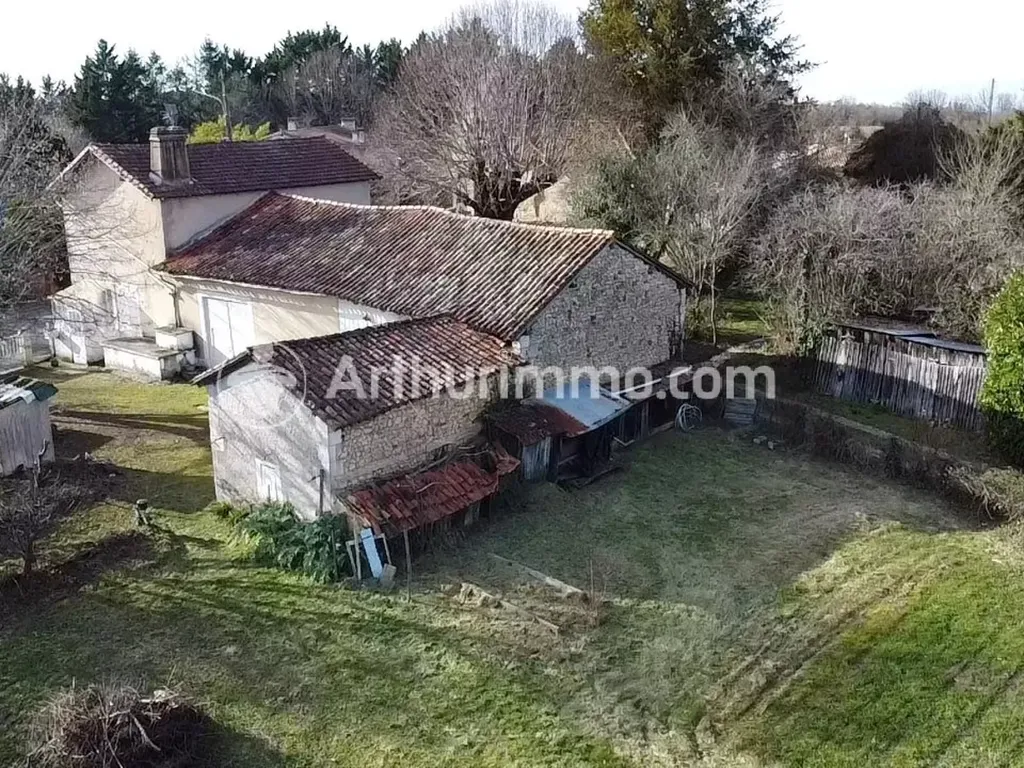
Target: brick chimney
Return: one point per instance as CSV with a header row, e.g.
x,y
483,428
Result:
x,y
168,155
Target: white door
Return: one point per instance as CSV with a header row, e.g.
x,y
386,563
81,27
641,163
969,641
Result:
x,y
268,481
229,329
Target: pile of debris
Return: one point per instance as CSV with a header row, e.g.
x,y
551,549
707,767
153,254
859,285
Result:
x,y
114,725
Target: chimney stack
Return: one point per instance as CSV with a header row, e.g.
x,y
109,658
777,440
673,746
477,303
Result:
x,y
168,155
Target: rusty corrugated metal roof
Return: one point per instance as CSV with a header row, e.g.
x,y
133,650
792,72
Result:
x,y
411,359
412,260
533,421
241,166
413,501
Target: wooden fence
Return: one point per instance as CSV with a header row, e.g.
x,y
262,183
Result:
x,y
908,371
15,352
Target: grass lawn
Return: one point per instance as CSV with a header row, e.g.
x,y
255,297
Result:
x,y
741,320
761,610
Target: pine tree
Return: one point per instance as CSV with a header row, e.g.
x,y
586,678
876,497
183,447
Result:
x,y
117,100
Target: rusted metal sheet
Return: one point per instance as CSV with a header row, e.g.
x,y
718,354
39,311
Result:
x,y
913,374
533,421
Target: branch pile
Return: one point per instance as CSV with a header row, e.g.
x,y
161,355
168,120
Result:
x,y
114,725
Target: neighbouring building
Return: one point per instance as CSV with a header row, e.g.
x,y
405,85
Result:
x,y
346,132
26,436
127,206
549,206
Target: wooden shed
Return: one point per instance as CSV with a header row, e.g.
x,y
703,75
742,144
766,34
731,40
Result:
x,y
905,368
25,432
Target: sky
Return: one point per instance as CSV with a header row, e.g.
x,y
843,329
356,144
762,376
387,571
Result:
x,y
868,50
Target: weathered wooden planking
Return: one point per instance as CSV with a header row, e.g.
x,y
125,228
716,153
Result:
x,y
911,379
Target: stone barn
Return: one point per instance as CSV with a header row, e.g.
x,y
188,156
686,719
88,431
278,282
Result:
x,y
307,421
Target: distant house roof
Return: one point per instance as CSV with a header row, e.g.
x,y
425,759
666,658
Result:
x,y
343,133
16,389
415,500
413,358
412,260
240,166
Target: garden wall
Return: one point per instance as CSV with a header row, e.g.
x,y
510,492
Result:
x,y
993,491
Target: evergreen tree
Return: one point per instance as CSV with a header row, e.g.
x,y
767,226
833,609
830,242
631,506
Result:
x,y
387,59
117,100
672,52
296,48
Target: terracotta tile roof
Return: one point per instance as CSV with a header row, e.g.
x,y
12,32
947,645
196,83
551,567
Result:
x,y
530,422
412,260
444,352
412,501
242,166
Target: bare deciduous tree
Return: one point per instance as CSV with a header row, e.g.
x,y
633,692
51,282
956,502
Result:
x,y
31,237
832,253
330,85
687,201
485,113
31,505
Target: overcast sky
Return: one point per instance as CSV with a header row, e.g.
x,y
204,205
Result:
x,y
872,50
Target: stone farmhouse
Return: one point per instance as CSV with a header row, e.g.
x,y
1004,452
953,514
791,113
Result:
x,y
470,297
275,284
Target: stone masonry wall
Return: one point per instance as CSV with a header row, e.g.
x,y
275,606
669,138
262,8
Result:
x,y
618,311
402,438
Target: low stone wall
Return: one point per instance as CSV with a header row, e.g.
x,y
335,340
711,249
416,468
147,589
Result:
x,y
991,491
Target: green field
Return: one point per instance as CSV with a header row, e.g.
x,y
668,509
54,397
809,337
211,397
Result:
x,y
758,609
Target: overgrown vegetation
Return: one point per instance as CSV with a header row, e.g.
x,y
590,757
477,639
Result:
x,y
833,252
32,504
278,538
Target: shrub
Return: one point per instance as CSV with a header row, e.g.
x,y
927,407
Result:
x,y
279,539
1002,396
834,253
113,725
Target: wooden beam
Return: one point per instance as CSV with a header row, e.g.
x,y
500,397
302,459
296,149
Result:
x,y
568,589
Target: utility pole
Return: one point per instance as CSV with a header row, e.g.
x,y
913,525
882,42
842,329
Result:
x,y
227,110
991,99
